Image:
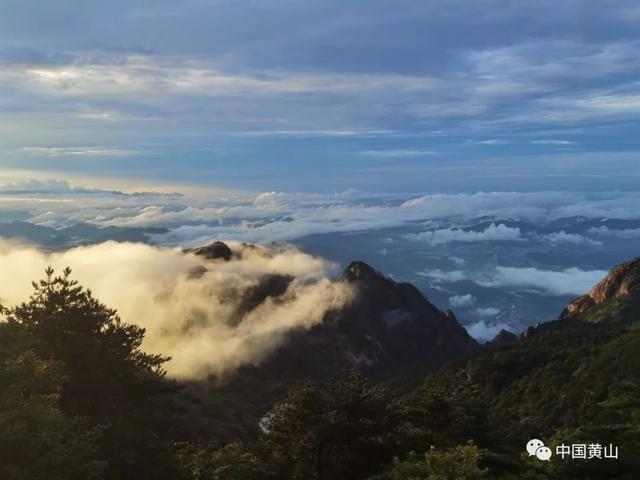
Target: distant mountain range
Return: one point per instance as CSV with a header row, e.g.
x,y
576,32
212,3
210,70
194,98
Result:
x,y
78,234
63,237
572,225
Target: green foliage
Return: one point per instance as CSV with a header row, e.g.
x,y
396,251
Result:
x,y
345,429
445,411
414,467
201,461
107,379
342,431
81,400
458,463
565,381
107,371
618,424
37,441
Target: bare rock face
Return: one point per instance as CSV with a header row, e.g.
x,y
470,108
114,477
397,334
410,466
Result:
x,y
622,281
616,299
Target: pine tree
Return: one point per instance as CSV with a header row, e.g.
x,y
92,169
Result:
x,y
107,372
108,378
338,431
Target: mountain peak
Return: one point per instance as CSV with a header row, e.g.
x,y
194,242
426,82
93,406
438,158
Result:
x,y
616,299
504,337
622,281
362,271
214,251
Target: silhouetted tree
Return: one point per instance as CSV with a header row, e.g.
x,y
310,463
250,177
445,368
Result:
x,y
37,441
339,431
108,378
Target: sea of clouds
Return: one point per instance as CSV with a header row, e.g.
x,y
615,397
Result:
x,y
278,216
433,222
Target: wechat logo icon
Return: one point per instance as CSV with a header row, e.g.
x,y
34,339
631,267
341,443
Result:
x,y
536,448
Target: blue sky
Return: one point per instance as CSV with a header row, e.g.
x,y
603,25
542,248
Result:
x,y
406,96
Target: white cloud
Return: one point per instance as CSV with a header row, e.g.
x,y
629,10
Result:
x,y
570,238
197,217
397,153
190,308
569,281
438,275
518,70
487,311
493,233
615,102
484,331
61,188
147,77
604,231
53,186
459,261
503,85
314,133
78,151
553,142
462,301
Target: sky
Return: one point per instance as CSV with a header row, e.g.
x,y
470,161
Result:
x,y
322,96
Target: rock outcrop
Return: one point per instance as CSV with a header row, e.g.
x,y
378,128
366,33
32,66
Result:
x,y
214,251
616,299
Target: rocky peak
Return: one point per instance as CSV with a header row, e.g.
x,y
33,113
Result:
x,y
389,329
622,281
214,251
361,271
616,299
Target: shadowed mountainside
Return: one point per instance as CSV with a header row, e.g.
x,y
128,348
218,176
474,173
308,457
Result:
x,y
388,331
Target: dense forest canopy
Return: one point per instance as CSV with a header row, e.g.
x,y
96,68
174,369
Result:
x,y
80,399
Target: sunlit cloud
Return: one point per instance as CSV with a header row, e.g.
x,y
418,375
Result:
x,y
185,303
78,151
406,152
315,133
552,142
145,75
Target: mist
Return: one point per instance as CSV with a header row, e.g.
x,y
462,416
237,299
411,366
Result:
x,y
193,309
